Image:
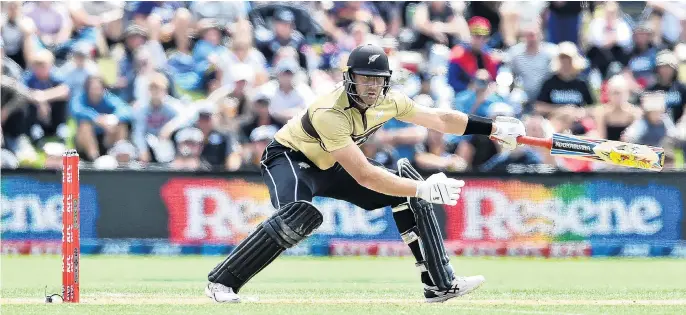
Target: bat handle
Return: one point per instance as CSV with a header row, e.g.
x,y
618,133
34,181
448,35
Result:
x,y
537,142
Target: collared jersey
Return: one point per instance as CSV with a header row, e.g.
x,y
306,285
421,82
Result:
x,y
331,123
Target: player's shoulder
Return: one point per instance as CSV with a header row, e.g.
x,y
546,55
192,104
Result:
x,y
335,100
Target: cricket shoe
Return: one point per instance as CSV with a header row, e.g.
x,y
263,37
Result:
x,y
460,287
221,293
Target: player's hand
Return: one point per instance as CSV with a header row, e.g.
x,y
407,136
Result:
x,y
440,189
507,129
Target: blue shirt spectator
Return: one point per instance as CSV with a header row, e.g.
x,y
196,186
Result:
x,y
89,107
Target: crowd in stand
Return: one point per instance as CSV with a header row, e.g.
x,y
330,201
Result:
x,y
205,85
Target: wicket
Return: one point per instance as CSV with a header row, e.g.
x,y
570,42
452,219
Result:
x,y
70,227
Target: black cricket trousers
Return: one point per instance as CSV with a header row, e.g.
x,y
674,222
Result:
x,y
291,176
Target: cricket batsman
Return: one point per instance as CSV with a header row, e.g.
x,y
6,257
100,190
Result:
x,y
316,154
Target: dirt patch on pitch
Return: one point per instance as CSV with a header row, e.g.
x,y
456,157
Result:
x,y
128,299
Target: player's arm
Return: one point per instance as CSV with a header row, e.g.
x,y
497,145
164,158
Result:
x,y
370,176
504,129
334,130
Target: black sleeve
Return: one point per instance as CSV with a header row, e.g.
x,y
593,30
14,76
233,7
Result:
x,y
544,94
588,97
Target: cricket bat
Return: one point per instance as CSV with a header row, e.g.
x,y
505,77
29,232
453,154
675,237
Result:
x,y
613,152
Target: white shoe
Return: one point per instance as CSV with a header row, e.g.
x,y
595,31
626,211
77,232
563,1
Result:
x,y
221,293
460,287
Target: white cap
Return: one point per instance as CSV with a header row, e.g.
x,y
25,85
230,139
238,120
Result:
x,y
189,134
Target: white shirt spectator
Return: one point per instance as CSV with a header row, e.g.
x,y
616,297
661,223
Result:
x,y
281,102
598,32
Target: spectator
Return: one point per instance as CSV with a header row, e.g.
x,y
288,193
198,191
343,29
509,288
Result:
x,y
52,20
515,14
564,21
284,35
243,52
530,60
612,118
479,96
642,58
135,38
48,94
330,72
436,23
260,117
260,137
188,149
345,13
17,31
79,67
402,136
489,10
122,155
219,150
206,53
465,60
654,126
671,18
287,96
102,119
226,13
667,82
476,150
610,37
434,153
171,17
156,116
564,87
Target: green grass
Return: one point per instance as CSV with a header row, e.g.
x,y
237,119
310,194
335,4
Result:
x,y
173,285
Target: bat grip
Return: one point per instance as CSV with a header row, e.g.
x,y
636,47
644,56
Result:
x,y
537,142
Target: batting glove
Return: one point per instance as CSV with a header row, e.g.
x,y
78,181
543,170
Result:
x,y
507,130
440,189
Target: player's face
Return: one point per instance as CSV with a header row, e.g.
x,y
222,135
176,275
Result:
x,y
369,88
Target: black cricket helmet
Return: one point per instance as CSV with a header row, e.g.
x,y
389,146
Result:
x,y
367,60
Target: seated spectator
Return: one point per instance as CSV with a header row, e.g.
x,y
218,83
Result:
x,y
260,117
655,125
188,142
79,67
102,119
642,58
465,60
564,87
479,96
136,38
287,97
612,118
435,154
171,17
144,70
17,33
284,35
122,155
667,82
343,14
610,39
52,21
531,59
564,21
226,13
514,15
48,95
157,117
209,47
219,150
436,23
330,72
242,52
260,138
402,136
